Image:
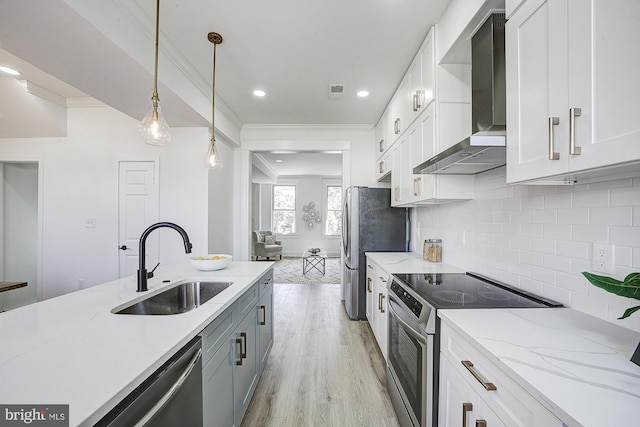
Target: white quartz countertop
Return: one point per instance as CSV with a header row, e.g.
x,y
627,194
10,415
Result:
x,y
574,364
73,350
409,262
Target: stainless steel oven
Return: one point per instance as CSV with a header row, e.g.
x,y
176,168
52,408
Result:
x,y
414,341
410,360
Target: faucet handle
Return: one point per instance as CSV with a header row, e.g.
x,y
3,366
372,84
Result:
x,y
150,274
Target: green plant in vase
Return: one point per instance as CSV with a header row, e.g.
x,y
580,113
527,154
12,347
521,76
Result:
x,y
629,287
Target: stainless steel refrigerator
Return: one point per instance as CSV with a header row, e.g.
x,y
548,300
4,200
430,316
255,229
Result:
x,y
369,224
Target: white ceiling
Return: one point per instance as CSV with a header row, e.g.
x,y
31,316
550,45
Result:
x,y
291,49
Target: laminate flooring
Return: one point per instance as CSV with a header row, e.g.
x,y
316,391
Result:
x,y
324,369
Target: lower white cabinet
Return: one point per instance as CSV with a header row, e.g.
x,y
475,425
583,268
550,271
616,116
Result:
x,y
474,391
460,405
236,346
377,304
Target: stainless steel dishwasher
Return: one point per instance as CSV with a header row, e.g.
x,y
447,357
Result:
x,y
171,396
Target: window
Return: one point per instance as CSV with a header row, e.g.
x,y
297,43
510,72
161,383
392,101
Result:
x,y
333,214
284,209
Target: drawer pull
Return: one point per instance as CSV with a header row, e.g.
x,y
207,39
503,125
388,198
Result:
x,y
239,362
573,113
466,407
263,322
369,284
553,121
487,385
382,303
481,423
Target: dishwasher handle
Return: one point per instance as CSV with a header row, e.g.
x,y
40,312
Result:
x,y
172,391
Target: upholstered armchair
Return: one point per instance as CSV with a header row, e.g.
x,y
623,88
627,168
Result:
x,y
265,245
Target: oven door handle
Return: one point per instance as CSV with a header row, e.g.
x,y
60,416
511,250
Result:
x,y
414,332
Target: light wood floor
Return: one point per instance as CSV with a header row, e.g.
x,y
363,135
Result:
x,y
324,369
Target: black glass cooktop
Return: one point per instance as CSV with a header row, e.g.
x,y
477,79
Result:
x,y
453,290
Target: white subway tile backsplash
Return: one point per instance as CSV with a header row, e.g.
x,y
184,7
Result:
x,y
543,246
611,216
542,216
590,233
539,238
557,263
573,216
625,236
571,249
573,283
625,196
562,200
556,231
593,198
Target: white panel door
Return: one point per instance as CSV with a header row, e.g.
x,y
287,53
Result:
x,y
138,209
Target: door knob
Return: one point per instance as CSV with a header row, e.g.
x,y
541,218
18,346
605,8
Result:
x,y
123,248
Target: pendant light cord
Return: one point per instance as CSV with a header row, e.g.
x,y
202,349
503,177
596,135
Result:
x,y
213,96
154,97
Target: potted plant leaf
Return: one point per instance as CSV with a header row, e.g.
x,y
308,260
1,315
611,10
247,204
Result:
x,y
629,287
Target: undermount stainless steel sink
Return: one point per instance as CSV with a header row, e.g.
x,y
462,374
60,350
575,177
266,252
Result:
x,y
177,299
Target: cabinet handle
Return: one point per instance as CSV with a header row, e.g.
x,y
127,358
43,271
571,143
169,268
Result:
x,y
487,385
369,284
416,186
398,119
573,113
381,166
466,407
382,310
381,145
553,121
418,96
382,279
379,302
239,341
481,423
415,101
264,315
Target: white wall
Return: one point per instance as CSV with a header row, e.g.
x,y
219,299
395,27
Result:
x,y
80,175
539,237
221,202
308,189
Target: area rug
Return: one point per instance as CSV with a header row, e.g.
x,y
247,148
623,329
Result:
x,y
289,270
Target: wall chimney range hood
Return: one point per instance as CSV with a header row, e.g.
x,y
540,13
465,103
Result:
x,y
485,149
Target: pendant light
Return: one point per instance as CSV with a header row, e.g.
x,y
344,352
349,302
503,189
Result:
x,y
212,158
154,127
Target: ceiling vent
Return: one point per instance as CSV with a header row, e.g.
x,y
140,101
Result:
x,y
336,91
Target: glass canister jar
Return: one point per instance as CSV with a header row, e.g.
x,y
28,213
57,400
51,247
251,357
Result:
x,y
432,250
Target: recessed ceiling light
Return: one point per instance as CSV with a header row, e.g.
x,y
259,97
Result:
x,y
363,93
259,93
279,160
10,71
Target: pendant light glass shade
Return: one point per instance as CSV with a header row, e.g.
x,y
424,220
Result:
x,y
212,158
154,127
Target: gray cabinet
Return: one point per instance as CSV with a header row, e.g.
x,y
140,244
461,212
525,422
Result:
x,y
235,347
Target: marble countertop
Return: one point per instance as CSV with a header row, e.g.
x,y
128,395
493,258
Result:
x,y
574,364
409,262
72,350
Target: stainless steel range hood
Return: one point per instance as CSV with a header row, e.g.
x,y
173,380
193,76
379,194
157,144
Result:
x,y
485,149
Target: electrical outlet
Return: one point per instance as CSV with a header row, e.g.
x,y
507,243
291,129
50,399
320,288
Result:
x,y
602,258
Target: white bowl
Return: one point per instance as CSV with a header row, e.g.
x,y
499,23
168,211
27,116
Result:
x,y
211,261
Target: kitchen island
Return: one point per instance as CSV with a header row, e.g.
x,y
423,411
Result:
x,y
73,350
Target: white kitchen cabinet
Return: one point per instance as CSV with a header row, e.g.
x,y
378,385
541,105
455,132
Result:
x,y
572,90
384,166
399,172
377,304
468,376
459,405
421,79
382,138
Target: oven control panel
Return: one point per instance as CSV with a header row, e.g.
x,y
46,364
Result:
x,y
409,300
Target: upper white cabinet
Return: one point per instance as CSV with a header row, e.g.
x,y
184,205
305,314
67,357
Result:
x,y
421,78
572,90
